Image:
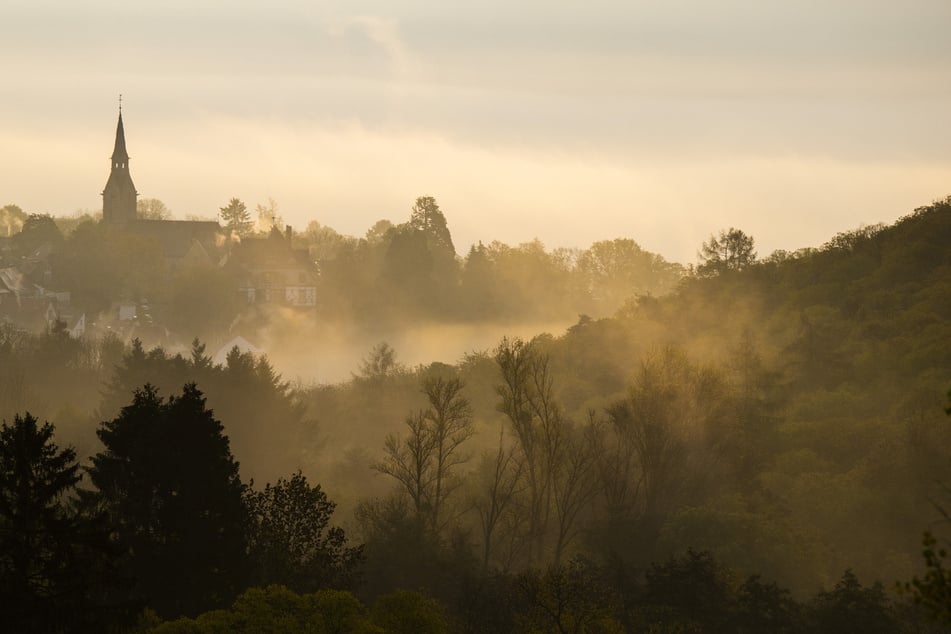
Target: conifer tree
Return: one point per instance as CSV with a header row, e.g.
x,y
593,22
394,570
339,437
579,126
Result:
x,y
171,490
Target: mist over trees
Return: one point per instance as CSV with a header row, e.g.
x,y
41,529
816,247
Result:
x,y
751,445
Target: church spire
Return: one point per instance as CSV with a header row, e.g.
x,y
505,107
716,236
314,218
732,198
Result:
x,y
119,196
119,154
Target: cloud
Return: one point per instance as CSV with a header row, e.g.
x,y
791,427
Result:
x,y
381,31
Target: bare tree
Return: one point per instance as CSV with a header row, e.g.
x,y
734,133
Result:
x,y
424,462
574,484
667,432
409,462
498,487
449,419
527,399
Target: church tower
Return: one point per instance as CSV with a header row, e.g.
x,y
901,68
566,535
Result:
x,y
119,196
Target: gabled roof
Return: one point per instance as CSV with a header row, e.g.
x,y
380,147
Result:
x,y
239,342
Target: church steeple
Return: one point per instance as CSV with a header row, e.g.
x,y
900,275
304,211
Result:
x,y
119,196
119,154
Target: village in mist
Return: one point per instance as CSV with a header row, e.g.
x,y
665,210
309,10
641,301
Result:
x,y
397,317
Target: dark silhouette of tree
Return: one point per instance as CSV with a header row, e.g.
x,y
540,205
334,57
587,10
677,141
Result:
x,y
731,250
236,217
555,458
449,420
689,593
766,607
567,598
170,488
933,590
851,608
427,217
291,541
499,481
574,484
419,270
53,569
517,361
38,229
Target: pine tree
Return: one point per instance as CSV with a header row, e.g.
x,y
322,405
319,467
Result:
x,y
236,217
54,570
171,489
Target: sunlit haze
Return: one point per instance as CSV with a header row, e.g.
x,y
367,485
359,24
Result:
x,y
662,122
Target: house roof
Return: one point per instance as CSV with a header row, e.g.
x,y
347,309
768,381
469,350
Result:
x,y
176,237
239,342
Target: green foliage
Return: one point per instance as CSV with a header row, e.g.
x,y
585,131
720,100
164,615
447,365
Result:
x,y
405,612
171,492
53,568
277,610
573,597
291,542
36,527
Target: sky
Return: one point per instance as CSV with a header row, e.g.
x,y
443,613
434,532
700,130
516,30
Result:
x,y
569,122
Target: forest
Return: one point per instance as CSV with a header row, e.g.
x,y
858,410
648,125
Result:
x,y
741,444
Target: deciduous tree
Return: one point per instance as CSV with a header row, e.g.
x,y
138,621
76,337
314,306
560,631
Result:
x,y
730,250
152,209
291,541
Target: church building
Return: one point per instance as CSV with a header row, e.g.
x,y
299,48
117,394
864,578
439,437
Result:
x,y
119,196
181,241
268,270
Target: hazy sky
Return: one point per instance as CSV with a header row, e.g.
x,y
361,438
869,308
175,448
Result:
x,y
566,121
